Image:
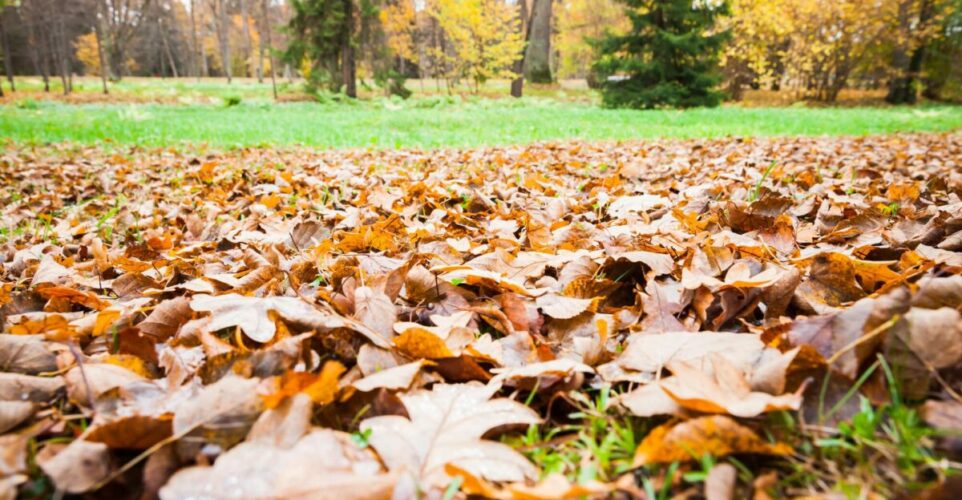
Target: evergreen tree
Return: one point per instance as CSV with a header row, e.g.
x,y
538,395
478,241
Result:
x,y
322,33
667,58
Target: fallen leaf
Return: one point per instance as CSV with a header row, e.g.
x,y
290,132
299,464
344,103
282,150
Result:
x,y
561,307
14,413
78,467
449,422
323,465
726,390
716,436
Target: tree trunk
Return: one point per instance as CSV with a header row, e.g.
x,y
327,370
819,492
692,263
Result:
x,y
194,60
55,36
252,64
223,38
7,54
537,60
270,48
99,33
348,62
902,88
524,24
167,51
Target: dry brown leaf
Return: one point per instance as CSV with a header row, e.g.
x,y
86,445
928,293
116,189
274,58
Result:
x,y
394,378
166,318
222,412
716,436
26,354
726,390
14,413
16,387
76,468
320,387
252,315
86,381
376,310
720,482
561,307
322,465
935,336
449,422
134,432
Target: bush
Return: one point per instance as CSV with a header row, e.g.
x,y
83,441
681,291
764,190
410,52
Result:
x,y
232,100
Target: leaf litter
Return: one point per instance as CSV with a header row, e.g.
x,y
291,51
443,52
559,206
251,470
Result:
x,y
563,320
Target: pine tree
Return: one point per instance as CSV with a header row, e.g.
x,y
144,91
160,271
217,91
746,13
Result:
x,y
667,58
323,34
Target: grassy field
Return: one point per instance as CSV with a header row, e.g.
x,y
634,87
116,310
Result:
x,y
436,121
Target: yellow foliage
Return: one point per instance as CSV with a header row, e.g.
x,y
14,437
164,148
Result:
x,y
399,21
580,21
87,53
484,34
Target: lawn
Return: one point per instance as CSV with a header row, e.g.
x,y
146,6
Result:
x,y
437,121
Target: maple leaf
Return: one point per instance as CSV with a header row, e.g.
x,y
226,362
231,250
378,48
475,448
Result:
x,y
446,426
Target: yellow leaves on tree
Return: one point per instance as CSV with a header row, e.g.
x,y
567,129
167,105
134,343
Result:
x,y
399,22
484,36
580,21
87,53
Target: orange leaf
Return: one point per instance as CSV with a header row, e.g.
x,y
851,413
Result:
x,y
130,362
321,387
105,319
717,436
54,327
422,344
86,299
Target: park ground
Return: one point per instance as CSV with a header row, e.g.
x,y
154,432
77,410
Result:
x,y
169,112
758,300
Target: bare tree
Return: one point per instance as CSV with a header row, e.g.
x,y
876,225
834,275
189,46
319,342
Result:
x,y
33,14
253,63
266,28
194,62
99,33
123,18
219,10
7,54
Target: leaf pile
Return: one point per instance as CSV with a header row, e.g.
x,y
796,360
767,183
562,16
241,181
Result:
x,y
362,324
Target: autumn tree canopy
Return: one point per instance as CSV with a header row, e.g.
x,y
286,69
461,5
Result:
x,y
809,49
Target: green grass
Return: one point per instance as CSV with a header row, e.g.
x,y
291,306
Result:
x,y
436,121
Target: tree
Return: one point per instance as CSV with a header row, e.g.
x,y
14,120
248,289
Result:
x,y
753,56
579,23
222,30
918,24
322,33
537,58
830,41
5,47
266,44
667,58
484,38
517,85
942,75
123,20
